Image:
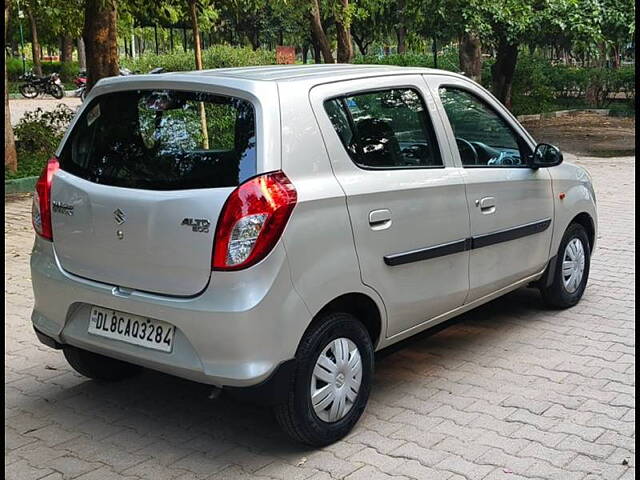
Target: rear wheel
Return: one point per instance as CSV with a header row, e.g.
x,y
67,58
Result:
x,y
98,367
569,278
28,91
330,388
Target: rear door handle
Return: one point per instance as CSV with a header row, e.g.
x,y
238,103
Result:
x,y
380,219
487,204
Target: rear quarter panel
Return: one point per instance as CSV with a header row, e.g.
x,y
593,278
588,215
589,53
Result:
x,y
318,238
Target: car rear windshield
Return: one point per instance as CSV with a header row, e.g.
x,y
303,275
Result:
x,y
163,140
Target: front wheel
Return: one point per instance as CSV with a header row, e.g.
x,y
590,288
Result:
x,y
56,91
569,278
330,388
28,90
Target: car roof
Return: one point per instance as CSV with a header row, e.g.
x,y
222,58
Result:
x,y
309,74
320,72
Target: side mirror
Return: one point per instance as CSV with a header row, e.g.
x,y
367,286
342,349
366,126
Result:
x,y
546,155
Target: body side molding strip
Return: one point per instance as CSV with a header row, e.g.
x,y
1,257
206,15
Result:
x,y
508,234
463,245
427,253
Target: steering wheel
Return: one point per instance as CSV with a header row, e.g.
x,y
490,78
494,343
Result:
x,y
466,145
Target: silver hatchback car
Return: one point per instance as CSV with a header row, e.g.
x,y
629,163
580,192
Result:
x,y
264,230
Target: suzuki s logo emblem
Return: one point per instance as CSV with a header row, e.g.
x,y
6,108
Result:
x,y
119,216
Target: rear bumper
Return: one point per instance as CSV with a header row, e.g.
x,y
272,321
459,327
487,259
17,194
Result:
x,y
236,333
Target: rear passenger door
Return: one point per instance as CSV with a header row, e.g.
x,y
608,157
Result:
x,y
406,200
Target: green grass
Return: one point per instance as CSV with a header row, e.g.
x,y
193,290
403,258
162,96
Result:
x,y
29,165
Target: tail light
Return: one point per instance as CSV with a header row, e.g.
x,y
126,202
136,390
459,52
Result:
x,y
41,208
252,220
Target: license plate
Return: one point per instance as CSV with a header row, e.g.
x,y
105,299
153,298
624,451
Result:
x,y
134,329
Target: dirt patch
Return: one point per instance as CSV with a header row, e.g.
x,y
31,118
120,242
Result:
x,y
587,134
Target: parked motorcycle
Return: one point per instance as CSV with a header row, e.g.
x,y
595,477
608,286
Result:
x,y
81,85
81,79
35,85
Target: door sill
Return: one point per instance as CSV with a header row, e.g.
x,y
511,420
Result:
x,y
432,322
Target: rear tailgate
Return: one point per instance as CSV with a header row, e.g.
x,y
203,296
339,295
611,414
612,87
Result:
x,y
137,239
144,176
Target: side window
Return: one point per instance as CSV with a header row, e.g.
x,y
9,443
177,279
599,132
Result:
x,y
482,136
385,129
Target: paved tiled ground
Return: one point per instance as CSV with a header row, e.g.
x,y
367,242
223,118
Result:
x,y
19,106
511,391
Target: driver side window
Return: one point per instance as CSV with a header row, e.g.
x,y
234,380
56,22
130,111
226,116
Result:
x,y
483,138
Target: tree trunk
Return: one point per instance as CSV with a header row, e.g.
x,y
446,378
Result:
x,y
434,49
254,38
502,71
196,33
198,56
317,58
10,154
470,53
320,39
401,31
82,56
36,51
100,38
67,49
360,43
615,52
343,29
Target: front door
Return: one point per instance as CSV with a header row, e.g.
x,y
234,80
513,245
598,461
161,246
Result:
x,y
406,200
510,204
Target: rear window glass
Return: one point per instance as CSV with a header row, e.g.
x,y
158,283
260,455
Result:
x,y
163,140
385,129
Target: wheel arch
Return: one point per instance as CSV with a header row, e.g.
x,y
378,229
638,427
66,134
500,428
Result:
x,y
361,306
587,222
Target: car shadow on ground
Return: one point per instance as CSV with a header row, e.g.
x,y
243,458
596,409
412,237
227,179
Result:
x,y
160,406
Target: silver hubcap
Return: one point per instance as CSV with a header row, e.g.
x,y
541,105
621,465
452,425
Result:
x,y
336,380
573,265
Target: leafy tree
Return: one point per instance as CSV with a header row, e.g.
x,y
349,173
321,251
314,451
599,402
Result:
x,y
618,25
373,21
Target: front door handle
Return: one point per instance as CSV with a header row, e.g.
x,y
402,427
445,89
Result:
x,y
380,219
487,202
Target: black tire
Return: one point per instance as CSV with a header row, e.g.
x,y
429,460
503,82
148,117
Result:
x,y
56,91
296,416
556,295
83,94
98,367
28,91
